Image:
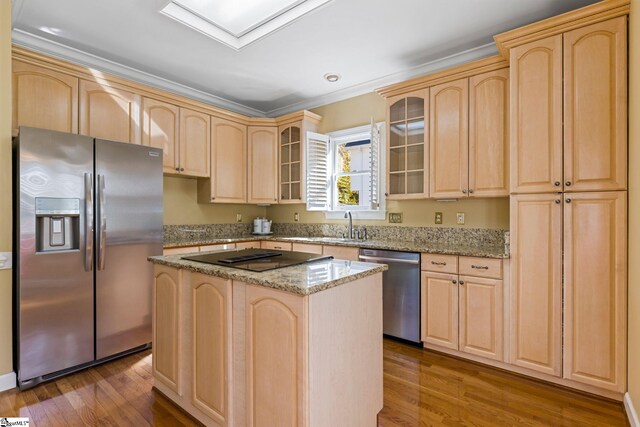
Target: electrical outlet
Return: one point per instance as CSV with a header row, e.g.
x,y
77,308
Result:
x,y
239,217
296,216
460,218
438,217
395,217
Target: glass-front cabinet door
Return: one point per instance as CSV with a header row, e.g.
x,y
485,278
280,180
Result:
x,y
407,146
291,164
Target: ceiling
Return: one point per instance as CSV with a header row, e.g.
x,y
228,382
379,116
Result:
x,y
370,43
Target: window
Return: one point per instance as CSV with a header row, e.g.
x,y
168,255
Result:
x,y
343,172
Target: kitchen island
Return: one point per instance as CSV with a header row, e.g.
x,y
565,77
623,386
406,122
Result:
x,y
297,346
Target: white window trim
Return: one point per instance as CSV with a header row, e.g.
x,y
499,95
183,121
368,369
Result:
x,y
381,212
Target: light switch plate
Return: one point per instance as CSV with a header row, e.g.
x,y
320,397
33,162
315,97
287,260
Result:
x,y
460,218
6,260
438,217
395,217
296,216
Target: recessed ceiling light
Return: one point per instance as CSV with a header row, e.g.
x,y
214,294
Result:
x,y
238,23
332,77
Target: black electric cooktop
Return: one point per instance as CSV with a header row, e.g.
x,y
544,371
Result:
x,y
257,259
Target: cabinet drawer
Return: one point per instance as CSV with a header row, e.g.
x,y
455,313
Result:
x,y
248,245
341,252
481,267
275,245
180,251
305,247
440,263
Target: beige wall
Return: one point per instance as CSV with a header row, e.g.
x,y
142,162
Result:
x,y
358,111
181,206
6,363
634,204
483,213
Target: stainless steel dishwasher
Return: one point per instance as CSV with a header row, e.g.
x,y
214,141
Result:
x,y
400,292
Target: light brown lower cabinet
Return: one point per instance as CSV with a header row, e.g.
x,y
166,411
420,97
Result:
x,y
308,248
235,354
341,252
463,313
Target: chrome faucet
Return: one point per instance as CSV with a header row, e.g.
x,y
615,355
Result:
x,y
347,214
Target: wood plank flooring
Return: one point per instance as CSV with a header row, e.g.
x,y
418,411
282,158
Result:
x,y
420,389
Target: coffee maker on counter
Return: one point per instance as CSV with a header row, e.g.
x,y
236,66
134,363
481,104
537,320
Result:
x,y
262,226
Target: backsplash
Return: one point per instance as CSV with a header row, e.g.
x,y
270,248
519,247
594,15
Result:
x,y
450,235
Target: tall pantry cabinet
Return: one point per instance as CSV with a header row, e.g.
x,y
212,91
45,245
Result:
x,y
568,204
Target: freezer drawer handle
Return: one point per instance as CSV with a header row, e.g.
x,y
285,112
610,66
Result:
x,y
88,224
404,261
102,223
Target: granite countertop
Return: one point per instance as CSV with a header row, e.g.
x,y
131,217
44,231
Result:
x,y
485,251
305,279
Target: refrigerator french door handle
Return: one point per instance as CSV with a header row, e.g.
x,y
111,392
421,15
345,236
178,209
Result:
x,y
102,221
88,232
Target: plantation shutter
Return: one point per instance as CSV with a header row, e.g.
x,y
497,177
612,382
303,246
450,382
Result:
x,y
317,155
375,165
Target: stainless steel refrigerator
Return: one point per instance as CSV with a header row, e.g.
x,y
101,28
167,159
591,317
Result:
x,y
88,213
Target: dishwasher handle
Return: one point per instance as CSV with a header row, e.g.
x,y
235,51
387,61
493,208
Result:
x,y
390,260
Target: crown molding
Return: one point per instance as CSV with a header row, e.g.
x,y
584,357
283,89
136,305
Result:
x,y
468,55
40,44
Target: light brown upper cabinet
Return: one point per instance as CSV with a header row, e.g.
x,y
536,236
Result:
x,y
448,145
108,112
595,107
408,152
195,143
291,163
595,289
43,98
536,116
262,179
161,129
489,134
536,282
228,182
594,85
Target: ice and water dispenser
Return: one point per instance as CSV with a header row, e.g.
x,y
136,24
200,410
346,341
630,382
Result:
x,y
57,224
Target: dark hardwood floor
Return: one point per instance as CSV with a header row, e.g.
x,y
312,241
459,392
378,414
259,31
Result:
x,y
420,389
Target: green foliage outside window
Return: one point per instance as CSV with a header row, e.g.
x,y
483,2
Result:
x,y
346,196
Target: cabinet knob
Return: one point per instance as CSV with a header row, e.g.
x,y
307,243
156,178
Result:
x,y
181,169
557,183
454,282
386,194
464,191
462,282
568,183
470,191
213,198
568,200
178,169
558,201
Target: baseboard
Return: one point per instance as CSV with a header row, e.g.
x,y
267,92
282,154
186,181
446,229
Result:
x,y
7,381
634,421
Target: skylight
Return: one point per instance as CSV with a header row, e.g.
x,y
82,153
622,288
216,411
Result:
x,y
237,23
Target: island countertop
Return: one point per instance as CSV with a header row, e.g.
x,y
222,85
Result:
x,y
304,279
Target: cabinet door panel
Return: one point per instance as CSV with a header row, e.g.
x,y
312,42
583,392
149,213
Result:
x,y
595,108
109,113
536,282
449,163
228,161
481,317
44,99
160,129
276,357
489,134
536,116
195,143
439,295
211,311
341,252
167,339
262,164
595,254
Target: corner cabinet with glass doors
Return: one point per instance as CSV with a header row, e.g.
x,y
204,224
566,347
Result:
x,y
291,144
407,155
